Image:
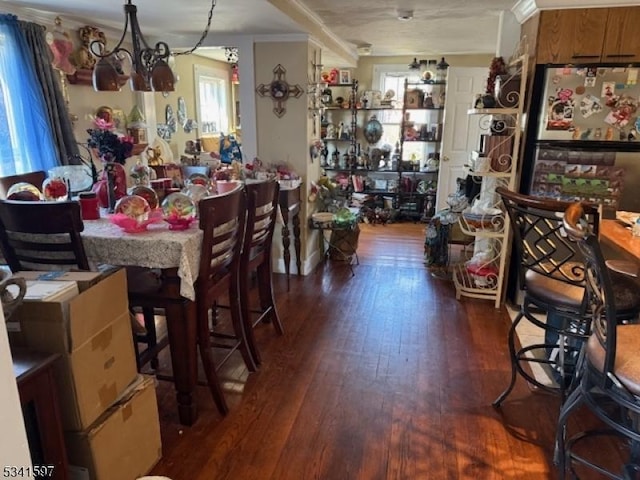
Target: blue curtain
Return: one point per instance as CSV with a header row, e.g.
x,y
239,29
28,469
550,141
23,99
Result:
x,y
26,141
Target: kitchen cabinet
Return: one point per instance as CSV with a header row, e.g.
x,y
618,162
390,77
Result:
x,y
588,35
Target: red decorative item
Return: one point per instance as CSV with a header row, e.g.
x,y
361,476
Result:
x,y
119,187
55,189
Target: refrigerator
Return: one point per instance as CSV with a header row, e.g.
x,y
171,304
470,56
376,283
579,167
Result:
x,y
583,135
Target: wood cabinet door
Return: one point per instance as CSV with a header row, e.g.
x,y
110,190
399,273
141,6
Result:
x,y
622,40
571,36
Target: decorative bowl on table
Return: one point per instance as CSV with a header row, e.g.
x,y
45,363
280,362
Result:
x,y
199,179
148,194
78,176
55,189
323,218
24,191
196,192
178,210
133,214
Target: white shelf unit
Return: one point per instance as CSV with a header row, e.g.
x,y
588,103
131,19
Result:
x,y
500,166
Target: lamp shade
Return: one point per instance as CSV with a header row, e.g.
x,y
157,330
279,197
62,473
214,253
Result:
x,y
162,78
105,77
138,83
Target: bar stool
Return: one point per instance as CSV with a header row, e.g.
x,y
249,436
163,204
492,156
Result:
x,y
551,274
262,203
609,371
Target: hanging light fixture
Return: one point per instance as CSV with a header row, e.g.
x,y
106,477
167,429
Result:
x,y
149,68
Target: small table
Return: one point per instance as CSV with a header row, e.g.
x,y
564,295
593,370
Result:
x,y
37,389
343,232
290,208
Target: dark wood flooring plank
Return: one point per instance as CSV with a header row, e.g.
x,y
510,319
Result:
x,y
383,375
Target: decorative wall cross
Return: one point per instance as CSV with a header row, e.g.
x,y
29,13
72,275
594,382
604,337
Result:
x,y
279,90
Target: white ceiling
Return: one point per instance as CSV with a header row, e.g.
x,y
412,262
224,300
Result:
x,y
437,27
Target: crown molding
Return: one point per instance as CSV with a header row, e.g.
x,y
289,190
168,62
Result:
x,y
525,9
69,23
310,22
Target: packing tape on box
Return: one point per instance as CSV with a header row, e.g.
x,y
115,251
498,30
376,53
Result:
x,y
127,411
102,340
107,395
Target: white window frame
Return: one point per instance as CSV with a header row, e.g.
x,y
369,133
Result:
x,y
201,74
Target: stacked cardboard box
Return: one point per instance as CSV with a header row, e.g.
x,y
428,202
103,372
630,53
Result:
x,y
92,333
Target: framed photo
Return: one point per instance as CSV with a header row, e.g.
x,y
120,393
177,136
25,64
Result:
x,y
119,119
345,76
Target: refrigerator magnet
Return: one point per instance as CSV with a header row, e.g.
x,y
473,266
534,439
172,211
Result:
x,y
608,89
632,76
589,82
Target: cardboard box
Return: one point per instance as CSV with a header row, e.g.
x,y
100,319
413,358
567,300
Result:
x,y
124,443
92,332
83,279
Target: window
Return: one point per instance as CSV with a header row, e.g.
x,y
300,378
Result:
x,y
212,100
26,141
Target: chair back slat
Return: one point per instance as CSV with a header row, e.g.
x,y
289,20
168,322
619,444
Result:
x,y
540,239
222,220
262,202
39,234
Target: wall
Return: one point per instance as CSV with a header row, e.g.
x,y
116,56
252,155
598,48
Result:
x,y
185,88
286,140
364,71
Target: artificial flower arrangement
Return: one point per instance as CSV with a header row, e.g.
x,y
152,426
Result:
x,y
108,145
113,150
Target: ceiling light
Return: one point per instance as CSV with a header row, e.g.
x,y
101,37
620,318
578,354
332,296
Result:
x,y
364,49
405,15
149,68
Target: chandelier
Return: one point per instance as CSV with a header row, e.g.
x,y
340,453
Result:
x,y
149,68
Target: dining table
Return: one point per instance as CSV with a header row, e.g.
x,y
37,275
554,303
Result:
x,y
618,236
176,253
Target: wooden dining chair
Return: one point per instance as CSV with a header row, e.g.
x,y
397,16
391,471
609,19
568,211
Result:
x,y
222,220
42,235
34,178
262,203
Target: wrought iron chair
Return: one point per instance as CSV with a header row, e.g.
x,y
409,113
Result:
x,y
551,274
609,371
42,235
262,204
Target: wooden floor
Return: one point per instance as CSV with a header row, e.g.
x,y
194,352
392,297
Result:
x,y
383,375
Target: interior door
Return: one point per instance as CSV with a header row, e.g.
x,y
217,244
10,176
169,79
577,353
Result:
x,y
460,133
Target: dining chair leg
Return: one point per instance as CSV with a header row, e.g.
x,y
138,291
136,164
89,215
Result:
x,y
245,309
241,332
151,335
204,345
267,300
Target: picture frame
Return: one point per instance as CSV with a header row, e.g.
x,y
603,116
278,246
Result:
x,y
119,119
344,76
